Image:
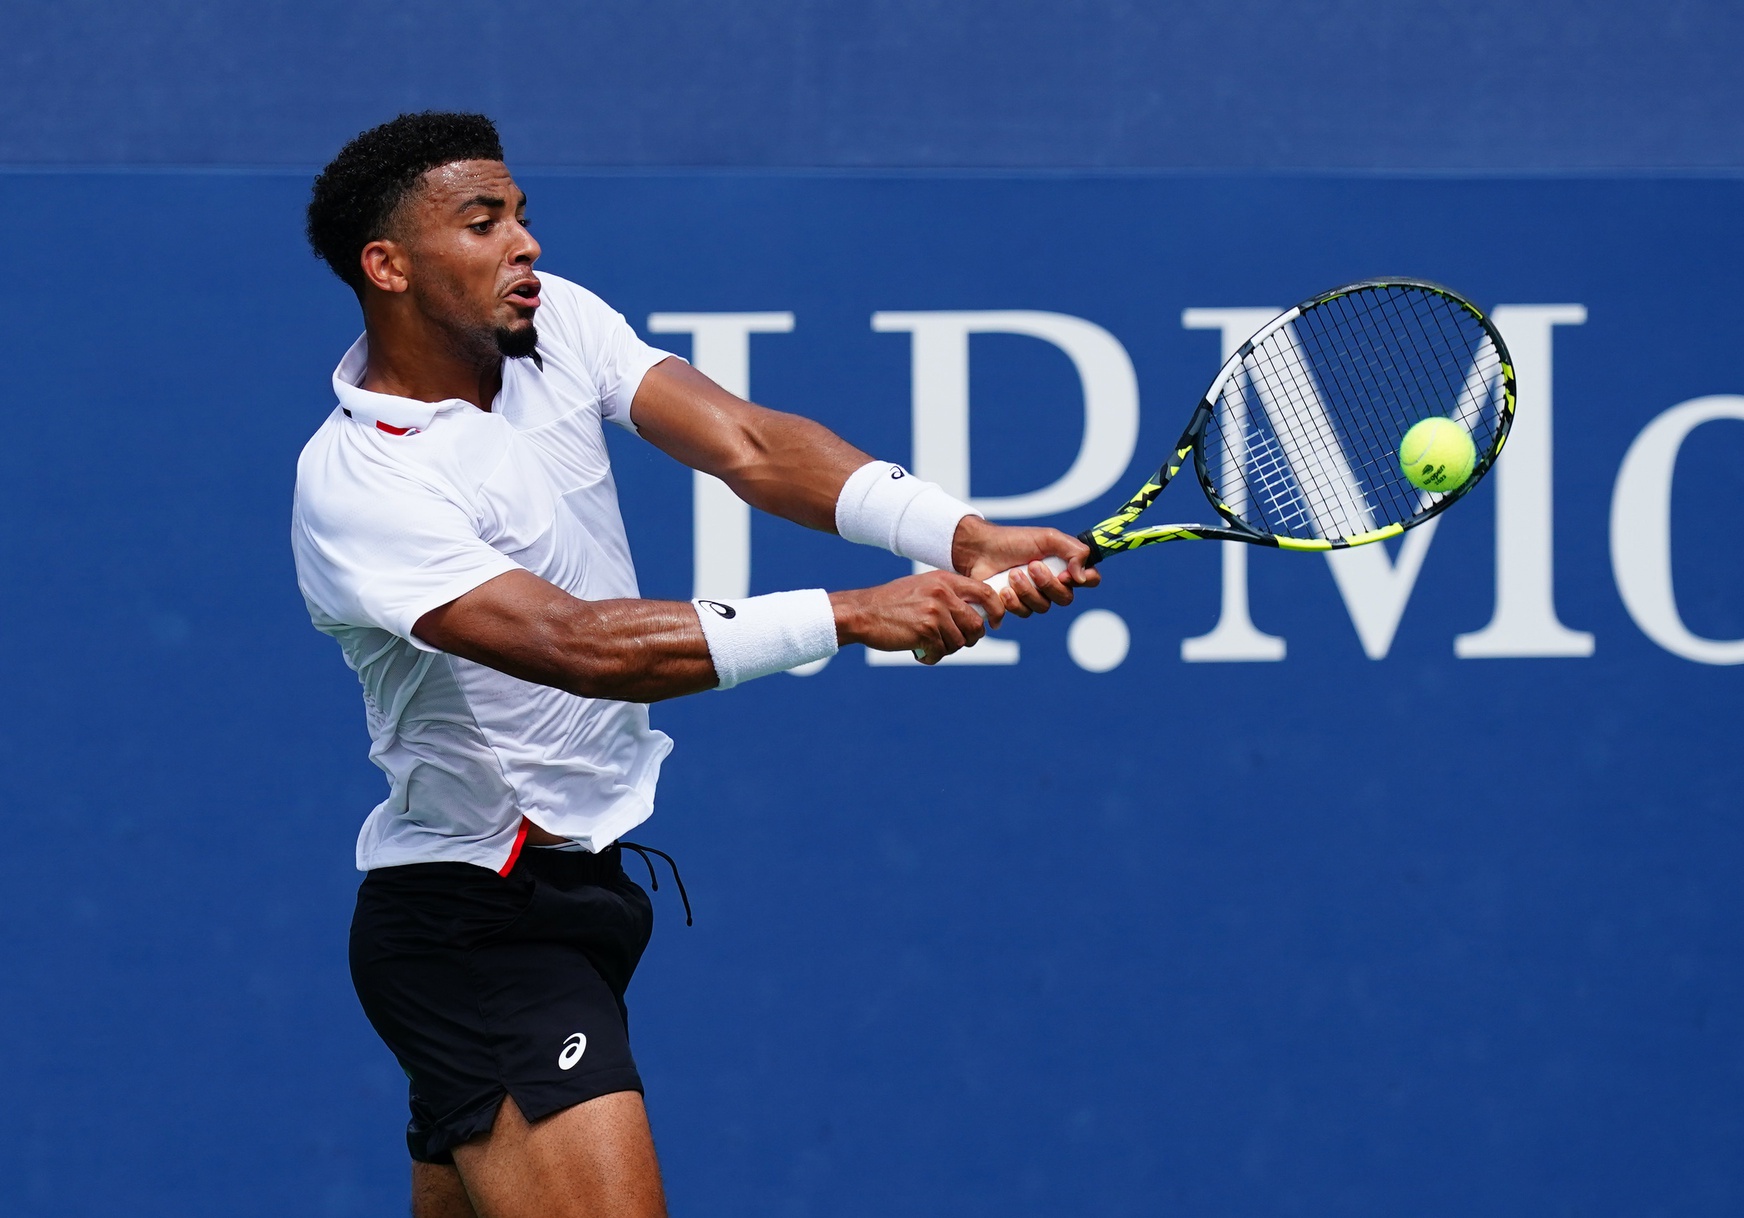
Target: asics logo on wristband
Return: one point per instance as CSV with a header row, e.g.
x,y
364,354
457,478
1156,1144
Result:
x,y
884,505
726,611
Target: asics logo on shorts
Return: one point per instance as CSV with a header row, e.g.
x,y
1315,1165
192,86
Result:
x,y
573,1048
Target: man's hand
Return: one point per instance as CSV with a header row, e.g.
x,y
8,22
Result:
x,y
934,613
982,550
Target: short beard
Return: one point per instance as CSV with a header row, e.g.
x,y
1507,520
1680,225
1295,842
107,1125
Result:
x,y
518,344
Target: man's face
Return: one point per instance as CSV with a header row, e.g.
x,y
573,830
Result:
x,y
470,266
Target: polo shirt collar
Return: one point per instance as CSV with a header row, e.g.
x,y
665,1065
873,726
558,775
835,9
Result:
x,y
383,411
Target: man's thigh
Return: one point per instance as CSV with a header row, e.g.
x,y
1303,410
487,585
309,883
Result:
x,y
594,1159
438,1193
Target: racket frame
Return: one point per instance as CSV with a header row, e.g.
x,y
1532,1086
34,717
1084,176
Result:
x,y
1112,536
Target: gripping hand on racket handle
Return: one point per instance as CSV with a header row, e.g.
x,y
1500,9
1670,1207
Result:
x,y
1008,570
1032,569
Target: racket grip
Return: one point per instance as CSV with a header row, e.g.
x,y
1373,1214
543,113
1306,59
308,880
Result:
x,y
1002,581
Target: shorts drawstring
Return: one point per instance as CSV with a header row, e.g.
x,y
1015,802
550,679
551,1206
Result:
x,y
654,882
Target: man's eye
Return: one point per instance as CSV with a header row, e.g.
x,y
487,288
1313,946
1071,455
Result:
x,y
481,226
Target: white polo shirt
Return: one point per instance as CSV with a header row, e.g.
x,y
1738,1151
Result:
x,y
402,506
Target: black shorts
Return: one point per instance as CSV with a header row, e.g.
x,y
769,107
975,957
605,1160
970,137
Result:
x,y
485,985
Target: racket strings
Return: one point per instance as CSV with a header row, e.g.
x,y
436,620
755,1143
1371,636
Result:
x,y
1274,481
1358,373
1304,440
1459,366
1283,468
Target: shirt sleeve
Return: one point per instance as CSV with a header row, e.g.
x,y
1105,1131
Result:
x,y
387,553
614,354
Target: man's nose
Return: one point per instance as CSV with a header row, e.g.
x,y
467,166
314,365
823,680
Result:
x,y
527,248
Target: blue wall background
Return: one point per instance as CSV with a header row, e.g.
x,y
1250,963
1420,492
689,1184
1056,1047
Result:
x,y
1204,83
948,960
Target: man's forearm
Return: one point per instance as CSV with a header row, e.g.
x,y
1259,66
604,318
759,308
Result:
x,y
647,651
624,650
800,470
780,463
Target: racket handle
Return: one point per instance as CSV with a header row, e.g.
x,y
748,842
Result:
x,y
1002,581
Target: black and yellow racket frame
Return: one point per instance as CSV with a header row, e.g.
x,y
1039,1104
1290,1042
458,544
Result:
x,y
1115,534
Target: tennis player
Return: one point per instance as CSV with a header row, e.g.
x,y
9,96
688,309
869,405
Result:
x,y
456,529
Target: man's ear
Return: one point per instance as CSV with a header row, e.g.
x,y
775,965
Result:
x,y
385,266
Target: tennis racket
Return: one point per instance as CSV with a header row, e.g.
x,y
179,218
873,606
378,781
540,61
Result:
x,y
1296,443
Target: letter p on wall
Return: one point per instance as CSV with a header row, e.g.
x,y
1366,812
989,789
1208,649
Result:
x,y
939,389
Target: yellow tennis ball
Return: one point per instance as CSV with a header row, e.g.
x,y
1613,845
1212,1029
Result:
x,y
1437,455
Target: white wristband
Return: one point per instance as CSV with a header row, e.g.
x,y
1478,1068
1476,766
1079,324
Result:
x,y
884,505
763,634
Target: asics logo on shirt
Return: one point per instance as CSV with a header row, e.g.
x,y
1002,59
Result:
x,y
573,1048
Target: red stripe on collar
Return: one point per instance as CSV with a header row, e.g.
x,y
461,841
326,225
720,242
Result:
x,y
391,430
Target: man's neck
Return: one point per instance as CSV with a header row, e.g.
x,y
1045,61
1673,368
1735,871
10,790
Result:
x,y
424,367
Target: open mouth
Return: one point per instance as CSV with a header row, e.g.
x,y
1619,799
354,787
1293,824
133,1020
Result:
x,y
525,295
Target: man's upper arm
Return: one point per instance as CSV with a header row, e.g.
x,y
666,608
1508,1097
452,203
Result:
x,y
693,420
385,554
496,622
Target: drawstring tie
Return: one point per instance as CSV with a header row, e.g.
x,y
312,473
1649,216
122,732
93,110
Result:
x,y
654,882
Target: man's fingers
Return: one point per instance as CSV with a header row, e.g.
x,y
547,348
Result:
x,y
960,609
973,592
971,625
947,636
1076,554
1048,587
1064,545
968,625
1027,586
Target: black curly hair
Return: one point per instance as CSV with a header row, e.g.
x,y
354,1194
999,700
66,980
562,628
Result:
x,y
354,198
